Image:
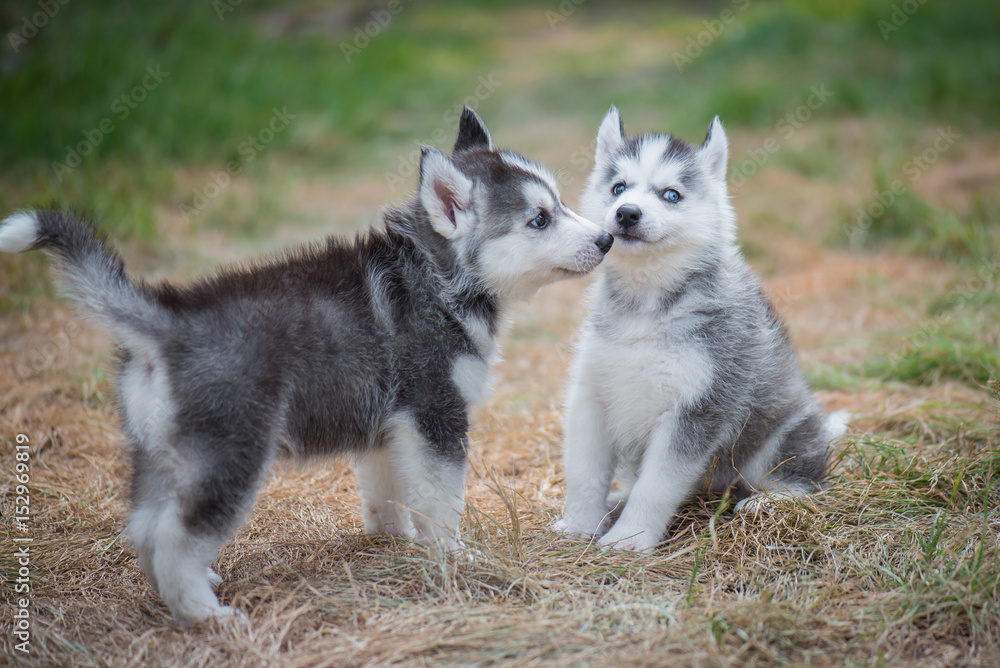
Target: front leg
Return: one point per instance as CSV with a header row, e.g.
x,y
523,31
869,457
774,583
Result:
x,y
431,474
670,471
588,461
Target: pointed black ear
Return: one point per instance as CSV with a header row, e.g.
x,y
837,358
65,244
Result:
x,y
472,133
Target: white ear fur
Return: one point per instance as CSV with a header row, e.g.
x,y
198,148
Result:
x,y
610,136
714,152
445,192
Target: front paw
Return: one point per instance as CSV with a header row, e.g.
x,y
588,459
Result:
x,y
620,538
388,517
579,528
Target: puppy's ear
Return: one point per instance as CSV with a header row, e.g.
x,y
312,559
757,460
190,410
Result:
x,y
610,136
445,193
472,133
714,152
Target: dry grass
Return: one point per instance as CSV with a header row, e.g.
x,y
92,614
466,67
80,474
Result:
x,y
898,563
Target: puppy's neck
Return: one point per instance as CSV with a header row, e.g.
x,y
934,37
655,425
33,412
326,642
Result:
x,y
641,281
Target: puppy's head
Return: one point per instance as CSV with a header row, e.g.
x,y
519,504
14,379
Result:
x,y
656,192
502,214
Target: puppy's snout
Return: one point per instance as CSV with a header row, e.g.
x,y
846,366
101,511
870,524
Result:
x,y
604,242
628,215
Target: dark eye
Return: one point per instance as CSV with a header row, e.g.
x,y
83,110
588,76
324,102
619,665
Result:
x,y
617,189
671,195
540,221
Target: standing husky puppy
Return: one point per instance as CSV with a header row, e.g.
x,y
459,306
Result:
x,y
375,348
684,377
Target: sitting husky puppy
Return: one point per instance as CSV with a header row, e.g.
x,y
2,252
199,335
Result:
x,y
684,377
376,348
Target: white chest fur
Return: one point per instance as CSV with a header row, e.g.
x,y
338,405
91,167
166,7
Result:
x,y
474,379
642,368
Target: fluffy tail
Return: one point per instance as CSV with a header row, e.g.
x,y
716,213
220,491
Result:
x,y
91,272
837,424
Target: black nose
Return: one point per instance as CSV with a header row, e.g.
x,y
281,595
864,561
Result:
x,y
604,243
628,215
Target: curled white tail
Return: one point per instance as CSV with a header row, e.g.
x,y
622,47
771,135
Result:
x,y
836,424
19,232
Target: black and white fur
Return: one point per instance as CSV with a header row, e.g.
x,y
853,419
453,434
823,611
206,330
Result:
x,y
684,377
375,348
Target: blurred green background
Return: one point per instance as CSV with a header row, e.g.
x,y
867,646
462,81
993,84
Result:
x,y
236,120
363,88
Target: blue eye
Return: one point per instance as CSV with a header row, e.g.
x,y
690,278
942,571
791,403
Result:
x,y
671,195
540,221
617,189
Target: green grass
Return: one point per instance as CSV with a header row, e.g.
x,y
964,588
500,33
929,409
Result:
x,y
223,80
219,84
946,573
897,217
956,338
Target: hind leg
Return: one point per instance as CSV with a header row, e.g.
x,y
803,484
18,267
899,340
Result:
x,y
791,464
758,500
439,499
183,513
174,559
177,562
383,506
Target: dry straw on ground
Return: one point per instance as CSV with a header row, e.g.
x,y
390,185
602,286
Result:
x,y
897,563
